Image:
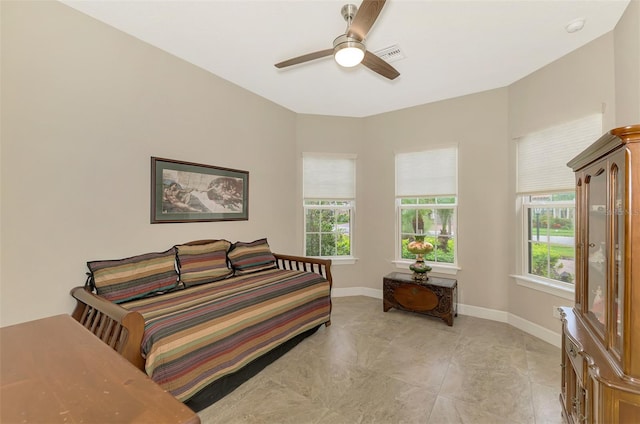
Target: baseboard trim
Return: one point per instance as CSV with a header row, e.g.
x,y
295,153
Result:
x,y
536,330
520,323
357,291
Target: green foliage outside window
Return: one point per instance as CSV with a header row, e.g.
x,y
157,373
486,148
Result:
x,y
551,236
435,222
437,255
327,230
546,261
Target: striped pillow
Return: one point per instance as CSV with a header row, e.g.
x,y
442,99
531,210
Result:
x,y
122,280
204,263
251,257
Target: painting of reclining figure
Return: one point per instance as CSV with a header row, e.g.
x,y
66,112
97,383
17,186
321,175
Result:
x,y
190,192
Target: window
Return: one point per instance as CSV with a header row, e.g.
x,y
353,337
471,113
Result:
x,y
427,203
546,194
329,204
327,228
550,235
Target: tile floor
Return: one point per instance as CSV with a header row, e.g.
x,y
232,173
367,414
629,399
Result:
x,y
398,367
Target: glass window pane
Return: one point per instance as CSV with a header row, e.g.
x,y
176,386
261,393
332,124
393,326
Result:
x,y
562,262
343,245
408,221
539,259
312,220
437,224
552,261
540,198
563,197
313,245
327,220
328,228
561,229
539,224
551,236
327,245
427,201
411,201
343,216
433,255
450,255
405,254
426,217
446,200
443,219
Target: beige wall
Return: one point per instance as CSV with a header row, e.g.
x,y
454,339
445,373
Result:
x,y
627,62
84,107
580,83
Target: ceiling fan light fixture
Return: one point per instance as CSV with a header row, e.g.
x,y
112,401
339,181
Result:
x,y
348,52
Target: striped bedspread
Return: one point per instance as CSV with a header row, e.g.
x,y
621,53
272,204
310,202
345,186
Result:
x,y
194,336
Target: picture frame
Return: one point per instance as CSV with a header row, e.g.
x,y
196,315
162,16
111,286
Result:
x,y
192,192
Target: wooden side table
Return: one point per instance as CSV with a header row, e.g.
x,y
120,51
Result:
x,y
436,296
55,371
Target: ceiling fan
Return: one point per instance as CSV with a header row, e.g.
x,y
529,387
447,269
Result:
x,y
349,49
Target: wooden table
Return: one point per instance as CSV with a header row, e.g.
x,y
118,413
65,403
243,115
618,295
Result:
x,y
436,296
53,370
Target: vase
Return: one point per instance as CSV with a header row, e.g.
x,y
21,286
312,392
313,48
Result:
x,y
419,247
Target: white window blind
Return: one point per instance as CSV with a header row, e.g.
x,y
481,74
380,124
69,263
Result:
x,y
430,172
543,155
329,176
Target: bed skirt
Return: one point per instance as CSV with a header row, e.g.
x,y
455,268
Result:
x,y
227,384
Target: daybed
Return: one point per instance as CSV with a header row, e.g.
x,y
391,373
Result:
x,y
202,317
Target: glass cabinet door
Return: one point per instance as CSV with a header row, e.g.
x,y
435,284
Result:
x,y
617,170
580,241
596,247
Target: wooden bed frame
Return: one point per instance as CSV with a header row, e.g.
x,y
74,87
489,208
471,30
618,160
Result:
x,y
122,330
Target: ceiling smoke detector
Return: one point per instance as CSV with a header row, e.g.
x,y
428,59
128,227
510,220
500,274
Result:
x,y
575,25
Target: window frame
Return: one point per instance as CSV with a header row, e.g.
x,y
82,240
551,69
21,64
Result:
x,y
440,267
343,259
557,287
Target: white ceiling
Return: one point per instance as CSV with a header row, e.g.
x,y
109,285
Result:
x,y
451,47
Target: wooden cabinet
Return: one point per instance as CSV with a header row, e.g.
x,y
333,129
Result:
x,y
601,333
437,297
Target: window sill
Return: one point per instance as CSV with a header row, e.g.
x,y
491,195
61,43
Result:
x,y
341,260
558,290
438,269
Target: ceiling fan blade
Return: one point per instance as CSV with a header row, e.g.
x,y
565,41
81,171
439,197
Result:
x,y
364,19
379,66
305,58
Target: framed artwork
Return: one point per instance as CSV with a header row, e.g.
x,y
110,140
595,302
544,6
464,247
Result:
x,y
192,192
